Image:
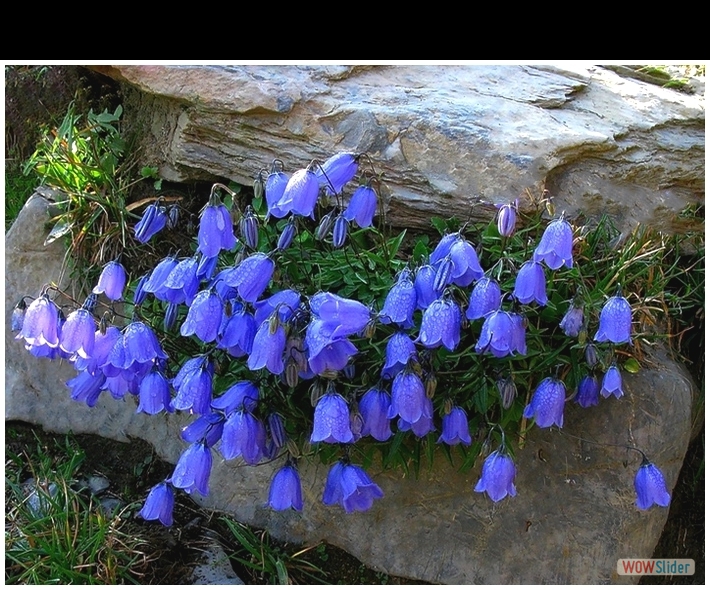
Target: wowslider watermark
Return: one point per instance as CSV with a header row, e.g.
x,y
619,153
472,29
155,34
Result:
x,y
655,567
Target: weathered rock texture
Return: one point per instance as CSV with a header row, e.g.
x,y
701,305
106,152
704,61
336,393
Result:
x,y
574,515
450,140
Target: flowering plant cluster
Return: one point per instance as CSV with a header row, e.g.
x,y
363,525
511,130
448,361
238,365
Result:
x,y
297,328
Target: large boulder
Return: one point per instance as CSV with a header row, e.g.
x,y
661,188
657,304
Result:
x,y
573,517
450,140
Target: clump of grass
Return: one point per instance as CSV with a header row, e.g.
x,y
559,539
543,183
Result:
x,y
56,533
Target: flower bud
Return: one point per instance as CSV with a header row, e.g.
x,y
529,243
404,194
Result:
x,y
590,355
340,231
506,219
291,373
443,274
507,390
90,302
324,226
18,315
170,316
259,186
249,228
430,385
316,392
173,217
287,235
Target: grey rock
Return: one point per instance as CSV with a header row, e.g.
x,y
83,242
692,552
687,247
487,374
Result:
x,y
215,569
97,484
450,140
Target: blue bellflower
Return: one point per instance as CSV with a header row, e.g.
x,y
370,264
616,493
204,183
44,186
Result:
x,y
547,404
409,400
497,476
331,421
194,388
206,428
86,387
485,298
192,472
300,194
251,276
424,425
154,394
41,323
466,268
337,171
555,247
112,281
506,218
182,284
611,383
443,248
650,486
424,286
454,428
268,348
362,206
237,331
78,333
241,395
398,351
587,391
153,220
502,334
340,316
204,318
285,491
215,232
351,487
441,325
400,303
530,284
374,407
244,436
572,321
159,504
273,190
615,322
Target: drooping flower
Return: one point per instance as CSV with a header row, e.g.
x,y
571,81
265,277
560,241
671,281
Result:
x,y
139,294
331,421
611,383
86,387
284,302
153,220
502,334
409,400
398,351
339,316
182,284
251,276
615,322
103,343
274,189
547,404
572,321
268,349
244,436
454,428
285,490
337,171
441,325
351,487
204,318
206,428
497,476
587,391
400,303
193,385
41,323
159,504
134,351
374,407
156,281
424,286
154,393
424,425
555,247
215,232
241,395
530,284
650,486
237,331
362,206
300,194
443,248
506,218
485,298
206,267
466,268
112,281
192,472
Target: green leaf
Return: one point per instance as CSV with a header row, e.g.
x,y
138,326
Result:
x,y
61,228
632,365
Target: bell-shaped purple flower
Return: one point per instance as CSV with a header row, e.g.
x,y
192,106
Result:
x,y
206,267
160,274
78,333
485,298
337,171
547,404
300,194
103,343
86,387
241,395
134,351
274,189
398,351
244,436
286,236
650,486
615,322
587,392
215,232
41,323
182,284
194,389
339,316
409,400
153,220
237,331
454,428
204,318
139,294
466,267
502,334
441,325
611,383
374,407
331,421
251,276
268,349
206,428
351,487
506,218
530,284
555,247
154,393
400,303
285,303
192,472
497,476
112,281
572,321
421,427
362,206
341,227
443,248
159,504
424,285
285,490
